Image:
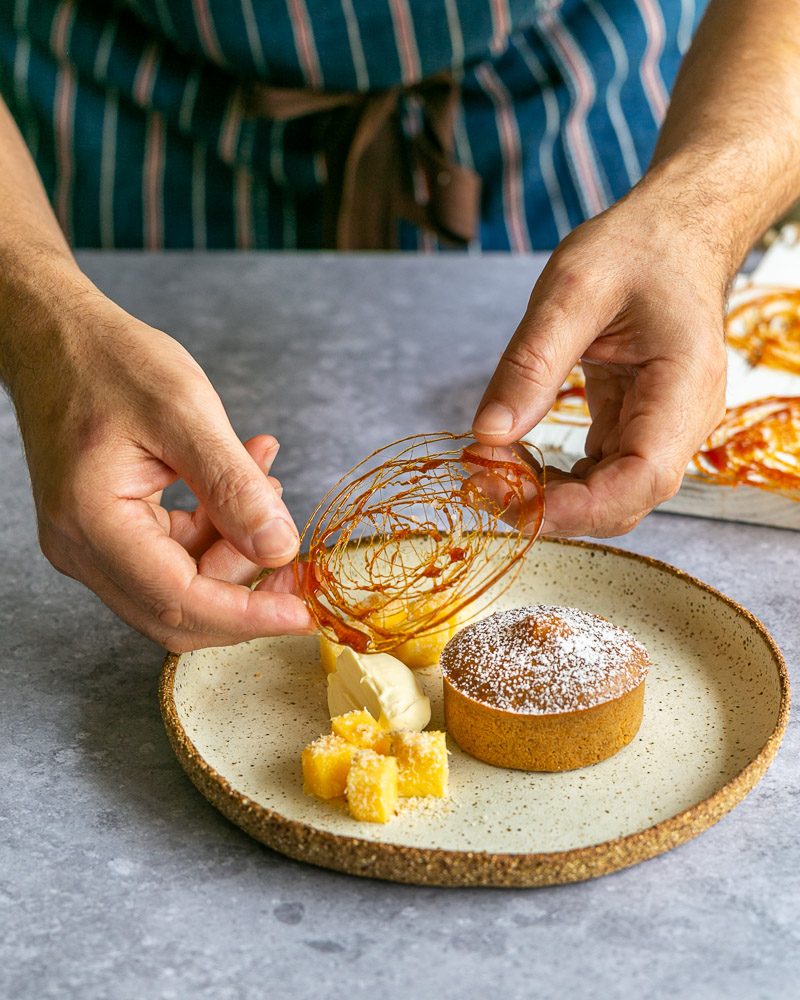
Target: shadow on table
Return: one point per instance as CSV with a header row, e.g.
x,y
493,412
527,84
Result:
x,y
124,752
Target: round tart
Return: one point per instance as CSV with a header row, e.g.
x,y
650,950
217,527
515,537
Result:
x,y
543,688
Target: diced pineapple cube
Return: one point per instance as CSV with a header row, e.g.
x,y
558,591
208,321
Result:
x,y
425,649
325,764
328,653
361,730
421,762
421,650
372,787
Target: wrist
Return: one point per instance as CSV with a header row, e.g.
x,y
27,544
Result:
x,y
715,194
686,202
43,294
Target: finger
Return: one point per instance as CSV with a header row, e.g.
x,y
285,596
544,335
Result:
x,y
223,562
263,448
284,580
130,612
504,483
276,484
478,455
610,500
582,468
605,391
157,573
617,491
603,436
239,501
563,317
194,529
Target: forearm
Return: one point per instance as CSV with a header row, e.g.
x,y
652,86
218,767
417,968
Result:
x,y
27,218
40,283
729,151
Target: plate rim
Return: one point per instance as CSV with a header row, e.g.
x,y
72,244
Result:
x,y
445,867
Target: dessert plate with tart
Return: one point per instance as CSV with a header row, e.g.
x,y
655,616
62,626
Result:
x,y
715,708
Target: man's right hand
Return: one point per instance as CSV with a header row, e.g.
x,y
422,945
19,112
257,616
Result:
x,y
111,412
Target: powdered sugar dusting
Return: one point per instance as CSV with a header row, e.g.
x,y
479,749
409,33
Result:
x,y
542,660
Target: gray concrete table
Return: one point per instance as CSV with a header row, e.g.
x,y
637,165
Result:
x,y
118,880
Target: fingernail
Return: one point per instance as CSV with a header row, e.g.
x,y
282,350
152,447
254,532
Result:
x,y
494,418
304,623
276,539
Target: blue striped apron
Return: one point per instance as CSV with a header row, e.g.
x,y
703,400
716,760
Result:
x,y
136,117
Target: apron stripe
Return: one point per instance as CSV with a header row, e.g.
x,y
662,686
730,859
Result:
x,y
188,100
153,182
61,28
206,32
145,78
462,145
613,102
581,82
501,26
356,47
108,169
64,116
456,34
686,25
244,209
165,17
304,41
21,8
253,36
547,144
244,190
22,63
104,49
511,148
65,137
231,128
652,81
199,156
405,40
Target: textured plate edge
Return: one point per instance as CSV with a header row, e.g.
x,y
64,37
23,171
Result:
x,y
442,867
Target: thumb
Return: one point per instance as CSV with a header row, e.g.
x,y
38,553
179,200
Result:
x,y
561,321
241,502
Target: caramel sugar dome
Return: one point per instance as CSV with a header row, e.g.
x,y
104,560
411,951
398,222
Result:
x,y
543,688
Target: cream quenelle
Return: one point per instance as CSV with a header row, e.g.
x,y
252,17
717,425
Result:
x,y
382,685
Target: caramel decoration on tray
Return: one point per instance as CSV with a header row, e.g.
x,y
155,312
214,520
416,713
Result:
x,y
757,444
766,328
414,533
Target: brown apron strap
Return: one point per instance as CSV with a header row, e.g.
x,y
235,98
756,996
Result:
x,y
376,174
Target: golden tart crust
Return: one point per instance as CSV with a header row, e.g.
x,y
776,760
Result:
x,y
543,688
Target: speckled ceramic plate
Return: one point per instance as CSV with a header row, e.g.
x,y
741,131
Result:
x,y
715,710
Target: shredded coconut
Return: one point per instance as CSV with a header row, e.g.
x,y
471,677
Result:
x,y
326,744
542,660
418,807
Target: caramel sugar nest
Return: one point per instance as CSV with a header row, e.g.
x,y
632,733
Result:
x,y
542,688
